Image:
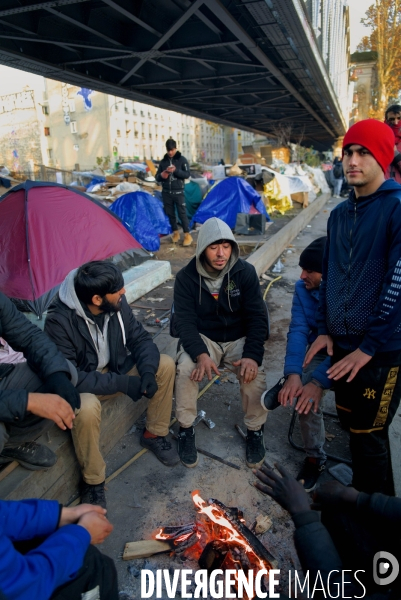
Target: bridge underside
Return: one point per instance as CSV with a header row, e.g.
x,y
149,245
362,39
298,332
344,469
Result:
x,y
250,64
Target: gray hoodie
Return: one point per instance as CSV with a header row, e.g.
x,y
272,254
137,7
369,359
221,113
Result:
x,y
212,230
68,295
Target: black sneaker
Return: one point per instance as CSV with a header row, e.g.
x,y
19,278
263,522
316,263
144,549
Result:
x,y
269,398
255,448
30,455
162,448
310,471
93,494
186,447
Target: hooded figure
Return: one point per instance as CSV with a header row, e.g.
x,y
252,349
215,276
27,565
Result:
x,y
93,326
220,317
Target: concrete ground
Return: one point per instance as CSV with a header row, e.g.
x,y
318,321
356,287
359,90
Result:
x,y
148,495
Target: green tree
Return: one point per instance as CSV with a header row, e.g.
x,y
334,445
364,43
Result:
x,y
384,18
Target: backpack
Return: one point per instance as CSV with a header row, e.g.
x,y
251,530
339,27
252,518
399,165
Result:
x,y
338,171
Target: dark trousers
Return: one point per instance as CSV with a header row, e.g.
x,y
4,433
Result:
x,y
170,201
99,571
357,538
366,406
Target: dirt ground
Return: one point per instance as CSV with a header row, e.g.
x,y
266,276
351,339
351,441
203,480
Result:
x,y
148,495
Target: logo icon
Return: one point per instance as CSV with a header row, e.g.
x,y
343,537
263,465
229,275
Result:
x,y
385,568
370,394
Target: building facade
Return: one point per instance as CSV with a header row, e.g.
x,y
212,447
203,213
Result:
x,y
66,127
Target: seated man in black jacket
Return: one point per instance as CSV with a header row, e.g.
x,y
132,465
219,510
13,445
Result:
x,y
33,394
357,540
94,327
220,316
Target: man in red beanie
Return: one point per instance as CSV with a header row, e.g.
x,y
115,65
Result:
x,y
359,318
393,119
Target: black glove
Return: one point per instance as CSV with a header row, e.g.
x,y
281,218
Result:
x,y
58,383
134,388
149,386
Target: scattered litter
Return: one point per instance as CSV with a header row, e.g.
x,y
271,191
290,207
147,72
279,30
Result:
x,y
133,571
136,311
151,299
168,287
232,378
132,430
278,267
266,277
289,251
262,524
329,436
342,472
309,225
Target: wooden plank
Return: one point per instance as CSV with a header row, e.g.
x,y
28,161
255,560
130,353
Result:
x,y
8,469
144,548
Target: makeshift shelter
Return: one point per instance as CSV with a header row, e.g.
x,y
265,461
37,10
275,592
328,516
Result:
x,y
228,198
193,197
143,216
46,230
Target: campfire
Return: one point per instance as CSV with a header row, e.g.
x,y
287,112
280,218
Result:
x,y
218,539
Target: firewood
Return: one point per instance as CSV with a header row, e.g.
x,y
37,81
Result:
x,y
144,548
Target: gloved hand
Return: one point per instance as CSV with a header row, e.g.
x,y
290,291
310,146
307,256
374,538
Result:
x,y
134,388
149,386
58,383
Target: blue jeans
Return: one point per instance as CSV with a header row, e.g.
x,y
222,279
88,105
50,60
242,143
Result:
x,y
312,425
338,184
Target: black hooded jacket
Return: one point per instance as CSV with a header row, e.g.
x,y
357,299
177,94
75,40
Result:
x,y
238,312
175,181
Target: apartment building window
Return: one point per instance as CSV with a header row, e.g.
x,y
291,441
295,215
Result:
x,y
45,110
126,109
73,127
149,115
116,107
118,133
49,153
142,113
47,131
71,105
133,111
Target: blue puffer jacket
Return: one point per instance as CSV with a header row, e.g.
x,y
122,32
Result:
x,y
359,294
55,562
302,332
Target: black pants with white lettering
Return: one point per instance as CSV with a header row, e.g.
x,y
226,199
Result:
x,y
170,201
366,406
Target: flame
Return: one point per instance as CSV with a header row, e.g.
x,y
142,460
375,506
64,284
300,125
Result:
x,y
231,534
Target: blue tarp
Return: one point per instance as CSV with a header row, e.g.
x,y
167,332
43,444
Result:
x,y
143,216
228,198
95,180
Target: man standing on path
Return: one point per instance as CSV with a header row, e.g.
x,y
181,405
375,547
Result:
x,y
359,319
173,170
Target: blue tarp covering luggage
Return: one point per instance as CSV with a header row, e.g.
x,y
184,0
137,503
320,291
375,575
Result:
x,y
143,216
226,199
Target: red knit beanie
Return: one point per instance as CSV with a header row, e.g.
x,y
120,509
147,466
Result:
x,y
375,136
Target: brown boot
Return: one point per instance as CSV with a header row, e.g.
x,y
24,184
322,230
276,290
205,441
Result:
x,y
175,237
187,239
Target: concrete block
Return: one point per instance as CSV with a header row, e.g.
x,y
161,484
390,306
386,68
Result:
x,y
267,254
140,280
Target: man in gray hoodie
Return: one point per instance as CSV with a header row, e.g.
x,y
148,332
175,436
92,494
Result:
x,y
94,327
220,317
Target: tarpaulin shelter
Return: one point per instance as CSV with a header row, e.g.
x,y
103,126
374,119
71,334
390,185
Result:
x,y
228,198
144,217
46,230
193,197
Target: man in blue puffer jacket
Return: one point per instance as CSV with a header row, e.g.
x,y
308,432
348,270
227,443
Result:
x,y
306,385
359,318
46,551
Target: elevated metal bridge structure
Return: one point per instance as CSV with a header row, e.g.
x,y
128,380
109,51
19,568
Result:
x,y
251,64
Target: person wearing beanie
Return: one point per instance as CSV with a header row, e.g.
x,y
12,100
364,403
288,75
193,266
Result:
x,y
359,312
393,120
305,385
219,317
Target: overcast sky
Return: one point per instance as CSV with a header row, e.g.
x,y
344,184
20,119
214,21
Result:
x,y
357,10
